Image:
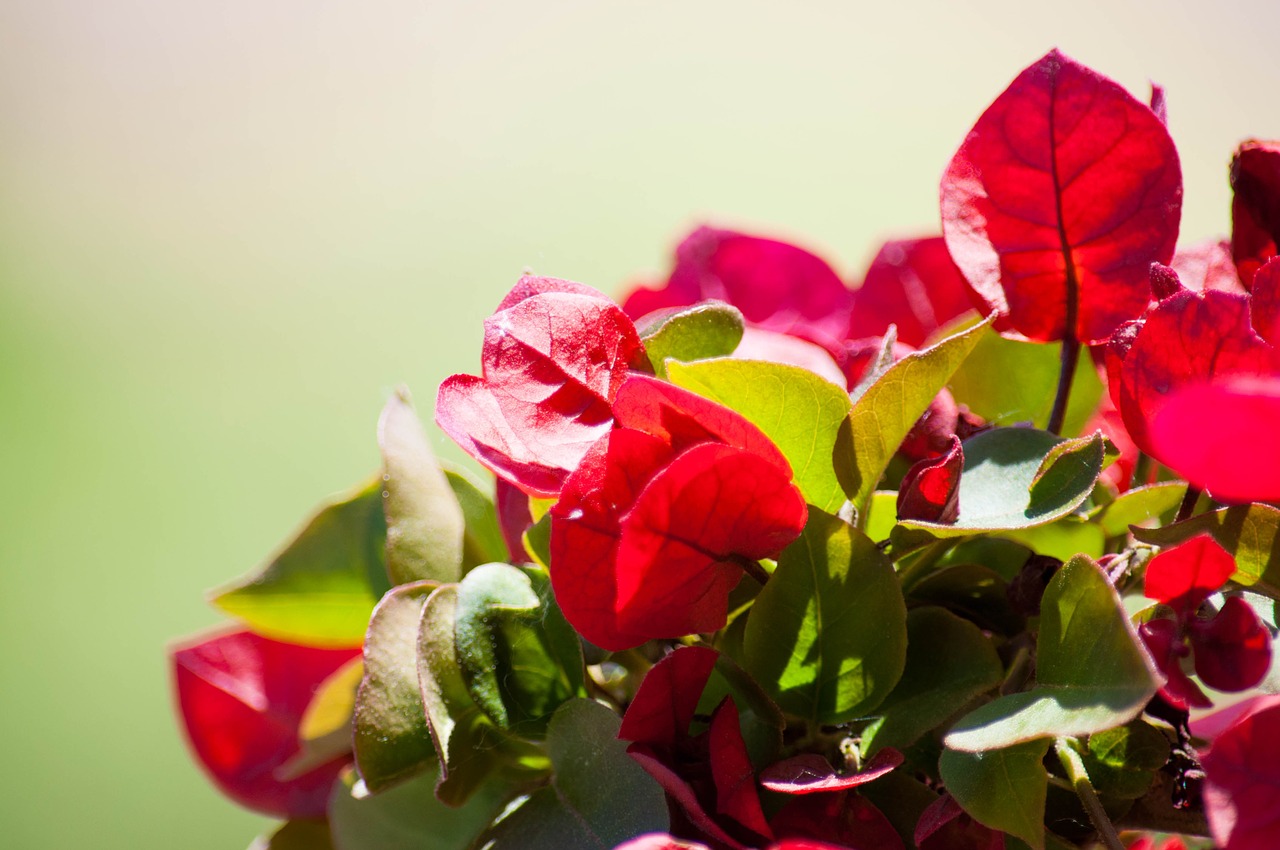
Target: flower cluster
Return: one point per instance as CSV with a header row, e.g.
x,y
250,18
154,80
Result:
x,y
942,558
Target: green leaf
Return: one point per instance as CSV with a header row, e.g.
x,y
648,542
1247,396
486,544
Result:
x,y
599,796
827,635
537,541
408,816
564,646
1017,478
482,541
1092,672
296,835
1137,506
887,410
320,589
881,515
975,592
471,748
392,740
324,733
1003,789
1027,396
425,524
503,650
1063,539
1251,533
949,662
709,329
1122,762
799,411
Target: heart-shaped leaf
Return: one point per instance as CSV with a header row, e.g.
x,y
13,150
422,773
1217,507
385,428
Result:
x,y
1063,194
705,330
425,525
827,635
800,412
391,736
1004,789
885,413
1091,670
949,662
321,587
1122,762
1019,478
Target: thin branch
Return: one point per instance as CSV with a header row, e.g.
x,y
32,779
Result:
x,y
1074,766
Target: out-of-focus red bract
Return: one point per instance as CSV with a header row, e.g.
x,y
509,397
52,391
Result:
x,y
912,284
554,356
840,817
241,698
1242,782
1208,265
1058,201
1255,206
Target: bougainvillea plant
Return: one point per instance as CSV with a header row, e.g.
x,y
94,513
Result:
x,y
770,561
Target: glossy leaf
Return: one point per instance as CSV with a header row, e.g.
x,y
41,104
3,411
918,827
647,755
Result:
x,y
408,816
1029,397
1242,782
827,635
1250,533
482,541
599,796
552,364
321,587
949,662
913,285
705,330
801,413
1091,673
1019,478
425,525
1255,207
1058,201
503,653
1136,507
391,737
241,697
889,408
1004,788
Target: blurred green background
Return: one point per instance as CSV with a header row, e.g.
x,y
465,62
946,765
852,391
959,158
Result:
x,y
228,229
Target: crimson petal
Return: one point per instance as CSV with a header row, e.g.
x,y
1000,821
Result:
x,y
1059,199
1184,576
810,773
930,491
913,284
1255,206
1242,782
664,705
242,697
1232,650
731,770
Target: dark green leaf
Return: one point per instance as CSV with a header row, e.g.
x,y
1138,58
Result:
x,y
599,796
799,411
1018,478
392,740
709,329
1003,789
1122,762
949,662
972,591
1137,506
826,638
408,816
296,835
482,541
887,410
1251,533
1092,673
504,652
1027,395
425,525
470,747
320,589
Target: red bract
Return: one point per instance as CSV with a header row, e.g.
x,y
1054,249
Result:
x,y
707,775
777,286
774,347
913,284
242,697
930,491
841,817
1221,437
1058,201
1188,338
1242,782
1255,206
554,356
1208,265
945,826
652,530
810,773
1264,305
1232,649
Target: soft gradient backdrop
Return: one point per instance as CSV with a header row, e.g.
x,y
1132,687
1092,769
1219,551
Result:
x,y
228,229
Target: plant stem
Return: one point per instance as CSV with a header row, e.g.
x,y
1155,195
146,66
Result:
x,y
1188,505
1142,470
1074,766
752,568
925,561
1070,358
